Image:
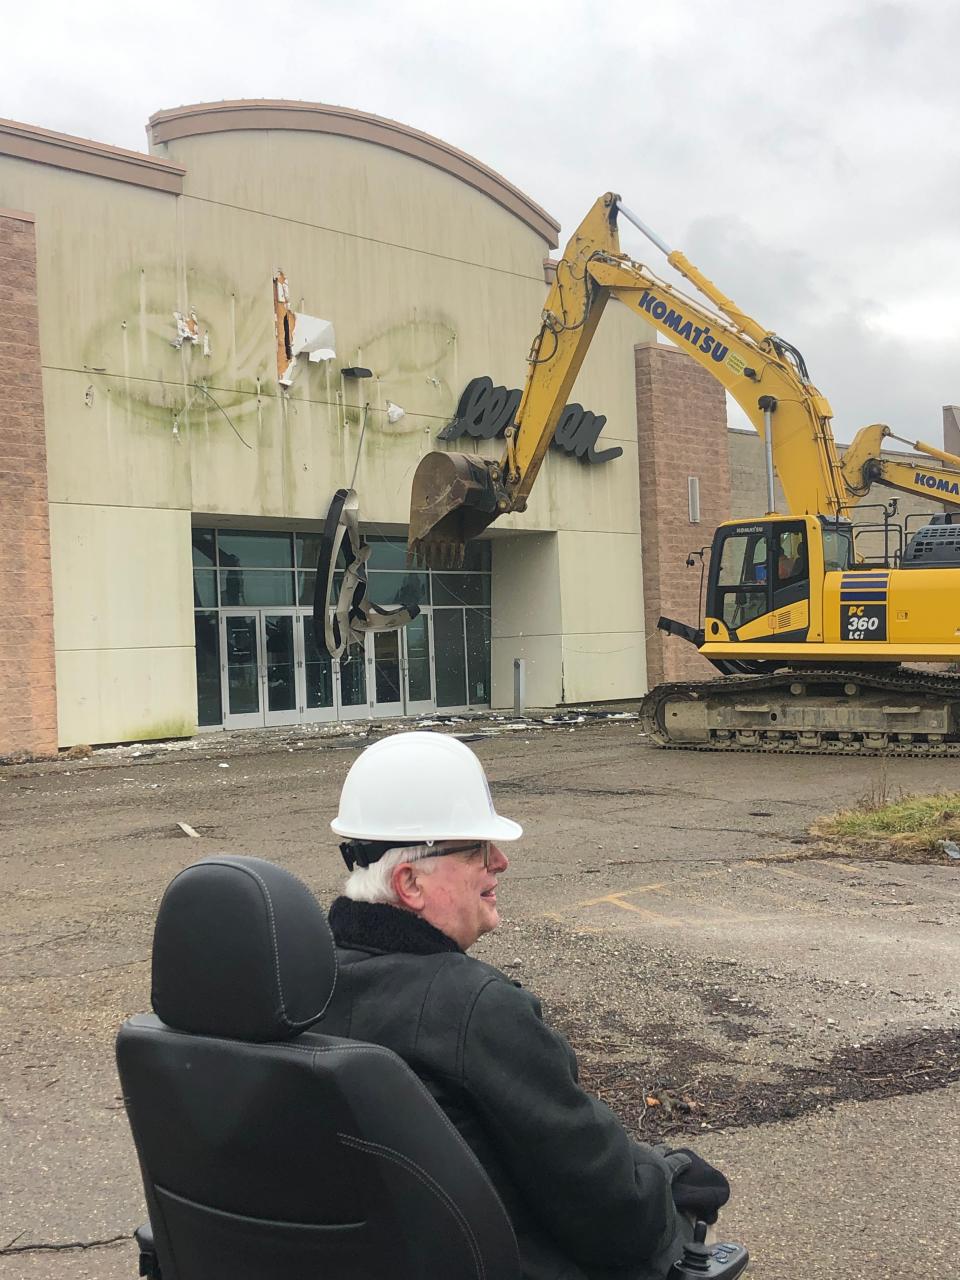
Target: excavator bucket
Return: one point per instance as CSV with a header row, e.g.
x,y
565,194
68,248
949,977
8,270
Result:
x,y
454,497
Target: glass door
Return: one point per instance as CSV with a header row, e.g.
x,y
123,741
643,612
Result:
x,y
330,690
318,694
279,667
451,658
462,647
419,695
401,673
385,651
351,677
240,668
258,668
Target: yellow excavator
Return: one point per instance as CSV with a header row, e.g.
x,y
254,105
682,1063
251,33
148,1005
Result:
x,y
811,640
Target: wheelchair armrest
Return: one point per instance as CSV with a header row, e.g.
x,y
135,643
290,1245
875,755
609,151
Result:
x,y
149,1263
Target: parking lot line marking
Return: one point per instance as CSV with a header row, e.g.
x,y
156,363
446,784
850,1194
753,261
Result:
x,y
872,894
652,917
639,888
783,899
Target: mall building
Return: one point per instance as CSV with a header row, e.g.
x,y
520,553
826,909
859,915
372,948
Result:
x,y
201,343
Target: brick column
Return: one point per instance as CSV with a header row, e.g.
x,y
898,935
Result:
x,y
28,691
681,432
951,428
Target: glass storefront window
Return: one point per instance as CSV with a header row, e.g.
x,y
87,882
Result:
x,y
204,588
386,667
408,589
207,631
461,588
250,550
308,551
271,669
450,658
281,667
478,656
353,680
255,587
318,666
387,553
307,585
418,659
476,556
243,671
204,548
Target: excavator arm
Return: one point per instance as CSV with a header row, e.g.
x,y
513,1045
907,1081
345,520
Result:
x,y
864,465
455,496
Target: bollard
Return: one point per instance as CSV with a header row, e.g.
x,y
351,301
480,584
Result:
x,y
519,685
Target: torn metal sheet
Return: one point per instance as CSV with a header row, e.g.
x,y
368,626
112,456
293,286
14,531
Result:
x,y
354,614
314,338
284,320
298,334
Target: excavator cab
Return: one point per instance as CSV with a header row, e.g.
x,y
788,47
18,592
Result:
x,y
765,576
757,571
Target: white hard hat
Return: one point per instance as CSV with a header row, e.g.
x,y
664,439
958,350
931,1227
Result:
x,y
419,787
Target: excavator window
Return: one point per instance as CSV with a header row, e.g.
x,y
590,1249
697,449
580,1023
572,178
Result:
x,y
837,549
791,565
791,558
742,578
760,568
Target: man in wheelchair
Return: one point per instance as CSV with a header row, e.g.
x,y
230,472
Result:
x,y
422,841
283,1095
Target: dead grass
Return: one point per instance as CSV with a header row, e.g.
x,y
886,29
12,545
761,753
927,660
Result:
x,y
907,828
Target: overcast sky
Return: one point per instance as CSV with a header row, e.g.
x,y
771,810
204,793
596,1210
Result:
x,y
807,157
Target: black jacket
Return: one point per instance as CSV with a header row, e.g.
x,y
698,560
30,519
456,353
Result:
x,y
585,1200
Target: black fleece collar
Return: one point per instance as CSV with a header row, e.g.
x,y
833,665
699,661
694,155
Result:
x,y
376,926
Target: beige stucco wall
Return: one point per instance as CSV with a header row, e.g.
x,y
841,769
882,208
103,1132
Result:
x,y
526,618
123,622
428,282
601,615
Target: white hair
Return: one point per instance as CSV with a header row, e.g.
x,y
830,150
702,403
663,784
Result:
x,y
375,883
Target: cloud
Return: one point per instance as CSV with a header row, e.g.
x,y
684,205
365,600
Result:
x,y
868,373
809,161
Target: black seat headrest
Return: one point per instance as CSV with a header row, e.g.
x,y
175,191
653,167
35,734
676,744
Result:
x,y
241,949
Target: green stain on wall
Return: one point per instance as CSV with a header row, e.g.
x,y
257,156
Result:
x,y
176,727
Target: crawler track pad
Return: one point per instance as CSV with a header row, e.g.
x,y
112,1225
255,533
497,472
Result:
x,y
845,710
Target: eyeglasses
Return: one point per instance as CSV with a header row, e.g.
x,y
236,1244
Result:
x,y
479,846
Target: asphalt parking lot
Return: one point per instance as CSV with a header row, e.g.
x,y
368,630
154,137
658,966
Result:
x,y
725,982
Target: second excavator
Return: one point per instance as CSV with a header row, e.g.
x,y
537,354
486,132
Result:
x,y
814,645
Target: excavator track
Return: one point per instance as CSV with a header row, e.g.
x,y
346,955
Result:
x,y
810,711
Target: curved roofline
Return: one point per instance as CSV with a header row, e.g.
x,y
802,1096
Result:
x,y
317,117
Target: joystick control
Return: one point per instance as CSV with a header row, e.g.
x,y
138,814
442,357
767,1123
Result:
x,y
712,1261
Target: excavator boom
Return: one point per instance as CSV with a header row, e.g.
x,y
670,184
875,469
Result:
x,y
441,494
762,372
